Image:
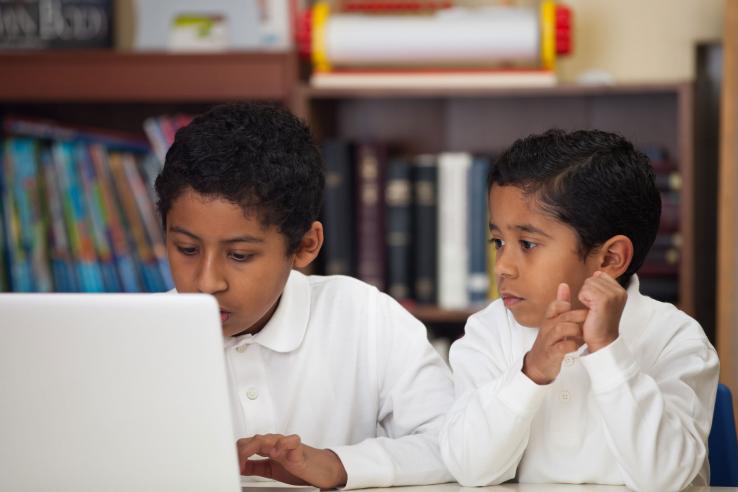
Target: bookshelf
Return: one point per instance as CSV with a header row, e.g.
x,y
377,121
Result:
x,y
727,311
117,90
484,121
104,76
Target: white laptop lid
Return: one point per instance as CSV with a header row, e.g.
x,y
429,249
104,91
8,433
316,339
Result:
x,y
114,392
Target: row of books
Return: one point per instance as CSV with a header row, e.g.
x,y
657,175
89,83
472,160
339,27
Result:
x,y
78,212
416,226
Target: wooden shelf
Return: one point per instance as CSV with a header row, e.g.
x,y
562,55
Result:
x,y
562,90
109,76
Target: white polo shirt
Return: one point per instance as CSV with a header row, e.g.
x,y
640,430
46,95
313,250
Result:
x,y
347,368
635,413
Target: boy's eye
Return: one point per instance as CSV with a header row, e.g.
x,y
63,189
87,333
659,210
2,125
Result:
x,y
498,243
527,244
188,251
240,257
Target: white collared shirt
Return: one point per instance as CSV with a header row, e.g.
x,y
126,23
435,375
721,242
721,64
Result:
x,y
347,368
635,413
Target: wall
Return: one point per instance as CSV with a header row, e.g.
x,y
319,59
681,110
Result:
x,y
641,40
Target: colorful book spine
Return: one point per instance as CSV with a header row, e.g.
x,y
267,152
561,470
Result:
x,y
148,215
89,271
111,210
4,283
93,202
16,216
146,260
62,264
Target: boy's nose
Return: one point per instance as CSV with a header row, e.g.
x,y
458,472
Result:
x,y
211,280
504,267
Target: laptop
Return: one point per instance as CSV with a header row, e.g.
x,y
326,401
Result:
x,y
114,392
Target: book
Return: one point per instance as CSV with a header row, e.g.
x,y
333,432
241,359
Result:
x,y
670,212
17,219
60,254
97,216
438,78
453,171
133,223
31,210
370,169
111,210
478,231
398,200
3,258
425,228
89,274
338,210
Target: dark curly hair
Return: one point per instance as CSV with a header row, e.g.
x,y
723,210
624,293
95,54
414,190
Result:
x,y
594,181
258,156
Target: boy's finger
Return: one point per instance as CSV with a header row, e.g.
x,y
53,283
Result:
x,y
286,444
569,345
261,445
563,293
564,330
556,308
574,316
260,468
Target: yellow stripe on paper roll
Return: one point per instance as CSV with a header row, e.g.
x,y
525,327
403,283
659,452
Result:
x,y
548,34
321,13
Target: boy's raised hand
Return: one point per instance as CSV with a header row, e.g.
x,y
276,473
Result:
x,y
559,334
605,298
290,461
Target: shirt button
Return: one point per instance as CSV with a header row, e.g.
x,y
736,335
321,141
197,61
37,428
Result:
x,y
241,349
564,396
568,361
252,394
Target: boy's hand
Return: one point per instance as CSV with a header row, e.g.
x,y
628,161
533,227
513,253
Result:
x,y
605,299
559,334
290,461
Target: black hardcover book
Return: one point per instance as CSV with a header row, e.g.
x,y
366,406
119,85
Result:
x,y
425,228
338,208
398,193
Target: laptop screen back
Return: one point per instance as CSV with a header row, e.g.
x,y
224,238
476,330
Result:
x,y
115,392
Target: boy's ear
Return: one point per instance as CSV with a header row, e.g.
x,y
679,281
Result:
x,y
310,245
615,255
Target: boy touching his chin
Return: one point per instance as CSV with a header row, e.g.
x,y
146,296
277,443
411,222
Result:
x,y
574,376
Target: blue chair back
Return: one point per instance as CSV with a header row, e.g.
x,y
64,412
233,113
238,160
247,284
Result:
x,y
722,443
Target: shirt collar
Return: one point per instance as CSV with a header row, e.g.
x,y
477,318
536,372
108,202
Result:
x,y
633,314
286,329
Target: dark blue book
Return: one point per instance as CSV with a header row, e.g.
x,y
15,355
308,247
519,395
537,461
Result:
x,y
338,209
425,228
477,230
397,195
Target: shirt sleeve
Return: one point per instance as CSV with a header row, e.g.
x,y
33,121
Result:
x,y
488,427
415,391
657,419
